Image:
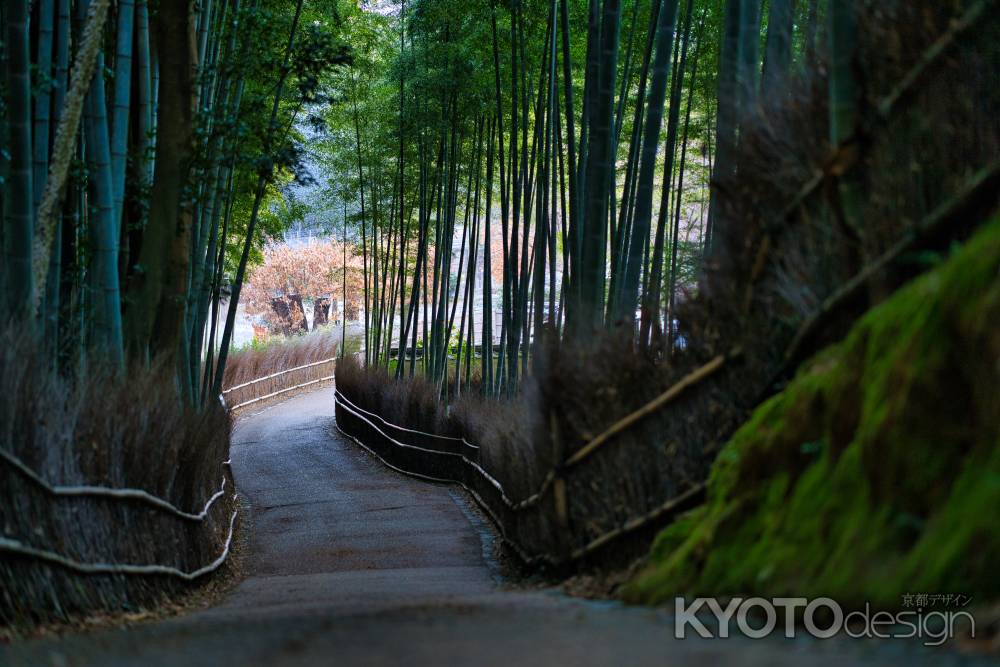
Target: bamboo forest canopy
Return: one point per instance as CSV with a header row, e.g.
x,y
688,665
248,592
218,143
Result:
x,y
143,144
567,146
569,167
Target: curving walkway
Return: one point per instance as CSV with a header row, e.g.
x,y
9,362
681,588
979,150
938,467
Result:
x,y
351,563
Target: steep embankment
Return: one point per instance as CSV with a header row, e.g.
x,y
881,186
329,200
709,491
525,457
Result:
x,y
876,472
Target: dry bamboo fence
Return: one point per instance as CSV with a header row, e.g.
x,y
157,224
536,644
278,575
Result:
x,y
279,384
537,527
121,495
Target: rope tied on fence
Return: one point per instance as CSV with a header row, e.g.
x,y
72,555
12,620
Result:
x,y
673,392
14,546
279,392
554,479
11,545
84,67
278,374
107,492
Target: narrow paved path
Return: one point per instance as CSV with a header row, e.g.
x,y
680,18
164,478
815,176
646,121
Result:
x,y
351,563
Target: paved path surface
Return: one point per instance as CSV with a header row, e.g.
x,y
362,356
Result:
x,y
353,564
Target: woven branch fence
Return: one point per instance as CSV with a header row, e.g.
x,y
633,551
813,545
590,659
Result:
x,y
541,528
275,385
118,495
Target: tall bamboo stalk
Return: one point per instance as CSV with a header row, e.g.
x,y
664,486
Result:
x,y
19,215
121,112
727,116
64,144
106,327
641,223
262,180
778,49
43,100
600,170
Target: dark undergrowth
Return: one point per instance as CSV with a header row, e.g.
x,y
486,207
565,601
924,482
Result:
x,y
783,248
98,428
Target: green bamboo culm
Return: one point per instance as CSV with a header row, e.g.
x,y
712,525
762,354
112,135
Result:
x,y
19,202
46,26
106,332
778,47
843,87
654,285
51,292
600,171
120,115
844,98
666,23
64,144
727,117
143,163
748,59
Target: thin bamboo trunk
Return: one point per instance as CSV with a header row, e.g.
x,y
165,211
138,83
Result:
x,y
53,286
727,118
600,169
19,202
43,100
778,49
106,327
679,199
651,301
227,335
641,223
121,109
487,333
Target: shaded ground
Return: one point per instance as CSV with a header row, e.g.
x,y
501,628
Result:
x,y
351,563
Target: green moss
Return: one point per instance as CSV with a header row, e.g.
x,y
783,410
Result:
x,y
876,472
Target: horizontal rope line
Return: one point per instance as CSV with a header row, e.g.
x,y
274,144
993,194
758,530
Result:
x,y
629,526
533,499
693,378
106,492
281,391
516,506
274,375
410,430
530,560
14,546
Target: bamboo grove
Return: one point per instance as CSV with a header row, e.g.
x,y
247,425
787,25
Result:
x,y
566,148
142,142
541,165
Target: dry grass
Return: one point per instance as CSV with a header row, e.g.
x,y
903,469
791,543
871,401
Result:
x,y
505,431
100,429
279,354
412,402
903,167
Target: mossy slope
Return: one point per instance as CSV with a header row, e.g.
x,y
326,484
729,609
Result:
x,y
876,472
